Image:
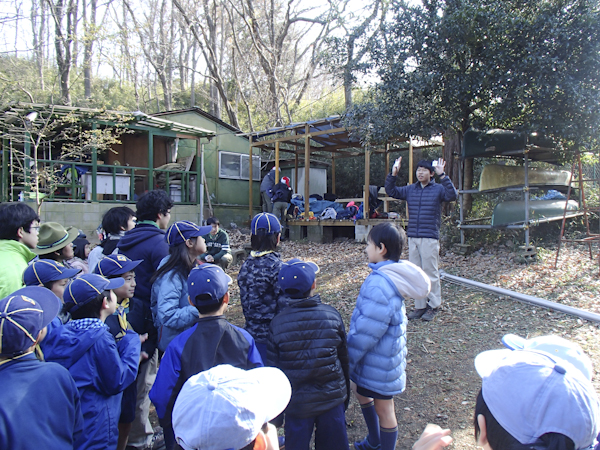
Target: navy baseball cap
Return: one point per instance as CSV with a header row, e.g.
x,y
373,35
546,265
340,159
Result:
x,y
23,314
265,223
426,164
115,265
44,271
208,279
296,277
183,230
87,287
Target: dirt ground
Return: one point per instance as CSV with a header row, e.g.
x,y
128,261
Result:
x,y
441,380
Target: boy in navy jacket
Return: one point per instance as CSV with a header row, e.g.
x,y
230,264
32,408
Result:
x,y
210,342
101,367
40,405
308,343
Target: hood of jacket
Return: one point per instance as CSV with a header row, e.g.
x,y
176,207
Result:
x,y
409,279
66,346
140,234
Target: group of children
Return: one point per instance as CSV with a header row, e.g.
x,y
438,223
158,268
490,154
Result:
x,y
212,390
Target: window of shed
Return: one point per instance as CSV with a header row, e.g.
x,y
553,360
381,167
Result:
x,y
235,166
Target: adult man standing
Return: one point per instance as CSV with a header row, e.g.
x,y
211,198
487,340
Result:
x,y
267,184
217,245
424,199
281,197
146,242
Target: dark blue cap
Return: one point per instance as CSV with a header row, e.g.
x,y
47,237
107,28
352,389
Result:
x,y
296,277
265,223
87,287
44,271
23,314
183,230
207,279
115,265
426,164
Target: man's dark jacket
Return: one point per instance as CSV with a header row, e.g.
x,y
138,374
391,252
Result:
x,y
308,343
145,242
424,204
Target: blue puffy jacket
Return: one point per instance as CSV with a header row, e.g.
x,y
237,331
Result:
x,y
101,369
424,204
171,309
377,336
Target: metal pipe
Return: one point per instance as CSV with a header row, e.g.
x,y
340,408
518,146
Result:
x,y
587,315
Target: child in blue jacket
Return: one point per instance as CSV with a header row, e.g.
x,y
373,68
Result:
x,y
210,342
100,367
377,336
171,310
260,294
40,406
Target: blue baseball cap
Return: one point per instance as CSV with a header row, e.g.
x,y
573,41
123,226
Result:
x,y
553,345
44,271
265,223
531,393
183,230
207,279
87,287
115,265
296,277
23,314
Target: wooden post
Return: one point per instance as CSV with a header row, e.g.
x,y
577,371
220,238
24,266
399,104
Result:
x,y
250,181
410,163
277,177
306,171
150,163
295,173
333,173
386,204
95,169
367,183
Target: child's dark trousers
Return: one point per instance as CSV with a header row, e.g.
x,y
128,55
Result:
x,y
330,431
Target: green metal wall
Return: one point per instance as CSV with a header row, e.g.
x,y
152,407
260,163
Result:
x,y
223,191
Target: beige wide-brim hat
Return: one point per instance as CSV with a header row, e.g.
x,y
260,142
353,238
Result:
x,y
53,236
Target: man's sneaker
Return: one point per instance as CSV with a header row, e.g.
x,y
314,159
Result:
x,y
417,313
429,314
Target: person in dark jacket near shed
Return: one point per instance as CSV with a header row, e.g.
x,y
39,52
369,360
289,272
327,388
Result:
x,y
424,200
281,198
308,343
266,185
146,242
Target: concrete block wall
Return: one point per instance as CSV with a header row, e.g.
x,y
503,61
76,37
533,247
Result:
x,y
88,216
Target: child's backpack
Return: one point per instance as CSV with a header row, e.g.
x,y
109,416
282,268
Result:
x,y
329,213
348,213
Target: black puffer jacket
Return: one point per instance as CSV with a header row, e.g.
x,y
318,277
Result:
x,y
308,343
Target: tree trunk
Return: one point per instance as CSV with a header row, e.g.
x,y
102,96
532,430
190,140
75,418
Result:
x,y
89,38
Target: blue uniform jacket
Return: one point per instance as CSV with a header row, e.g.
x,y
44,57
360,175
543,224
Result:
x,y
101,369
171,309
39,407
260,294
424,204
377,336
212,341
146,242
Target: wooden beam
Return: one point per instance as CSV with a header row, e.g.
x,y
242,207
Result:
x,y
367,182
306,173
276,162
299,136
250,181
410,164
333,173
